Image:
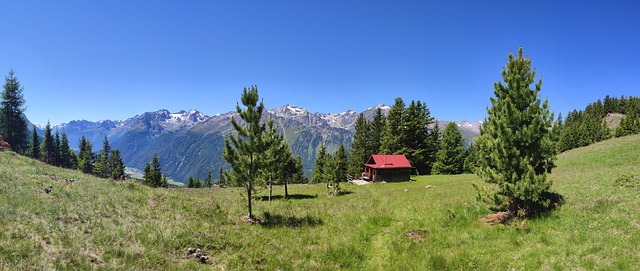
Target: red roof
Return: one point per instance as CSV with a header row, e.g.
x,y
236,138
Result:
x,y
388,161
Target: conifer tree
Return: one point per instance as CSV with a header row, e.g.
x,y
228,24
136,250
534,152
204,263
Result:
x,y
376,130
360,146
56,149
319,169
65,152
34,150
47,146
629,125
415,147
470,160
208,181
13,125
147,177
197,183
164,183
450,156
102,167
191,183
156,172
514,147
393,134
85,155
298,175
244,149
336,170
433,145
221,178
116,165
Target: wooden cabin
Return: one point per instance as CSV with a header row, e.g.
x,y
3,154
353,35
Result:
x,y
387,168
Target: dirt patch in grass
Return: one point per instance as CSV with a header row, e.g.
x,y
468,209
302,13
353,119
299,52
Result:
x,y
417,235
248,219
496,218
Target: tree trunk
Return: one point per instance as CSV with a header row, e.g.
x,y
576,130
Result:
x,y
286,188
249,199
270,189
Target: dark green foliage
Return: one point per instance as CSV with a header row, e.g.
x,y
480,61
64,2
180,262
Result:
x,y
319,170
34,147
376,130
470,160
415,131
66,153
117,166
629,125
515,151
103,164
244,150
56,149
85,155
450,156
393,134
13,125
336,171
190,183
221,178
208,181
47,146
153,173
164,183
360,146
298,172
197,183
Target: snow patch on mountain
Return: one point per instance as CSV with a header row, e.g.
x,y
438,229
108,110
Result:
x,y
471,126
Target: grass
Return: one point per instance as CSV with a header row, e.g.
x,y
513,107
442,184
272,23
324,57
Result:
x,y
100,224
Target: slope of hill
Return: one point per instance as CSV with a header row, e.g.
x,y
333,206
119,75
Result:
x,y
431,223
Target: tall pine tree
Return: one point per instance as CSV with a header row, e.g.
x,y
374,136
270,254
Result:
x,y
360,146
34,149
244,149
514,146
393,134
450,156
376,130
13,125
47,146
319,170
85,155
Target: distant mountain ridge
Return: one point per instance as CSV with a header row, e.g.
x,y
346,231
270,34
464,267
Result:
x,y
189,143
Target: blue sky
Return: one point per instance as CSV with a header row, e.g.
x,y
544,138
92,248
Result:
x,y
99,60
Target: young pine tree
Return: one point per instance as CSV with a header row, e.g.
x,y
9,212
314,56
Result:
x,y
13,125
376,129
336,170
221,178
514,146
319,169
244,149
208,181
66,160
102,167
47,147
116,165
85,155
393,134
34,149
450,156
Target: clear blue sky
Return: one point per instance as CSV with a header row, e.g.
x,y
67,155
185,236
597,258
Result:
x,y
114,59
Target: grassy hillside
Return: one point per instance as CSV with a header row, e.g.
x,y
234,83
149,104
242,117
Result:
x,y
432,223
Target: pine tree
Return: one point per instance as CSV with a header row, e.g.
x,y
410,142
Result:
x,y
208,181
56,149
393,134
102,167
13,125
433,145
190,183
221,178
514,147
85,155
629,125
376,130
156,172
34,150
244,149
197,183
164,183
47,146
147,177
298,172
470,160
319,169
336,170
415,147
116,164
65,152
360,146
450,156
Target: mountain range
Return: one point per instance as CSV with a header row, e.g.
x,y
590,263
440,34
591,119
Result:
x,y
189,143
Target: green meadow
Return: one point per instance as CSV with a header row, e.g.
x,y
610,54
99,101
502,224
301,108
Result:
x,y
431,223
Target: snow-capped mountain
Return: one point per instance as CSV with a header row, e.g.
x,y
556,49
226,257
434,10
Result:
x,y
190,143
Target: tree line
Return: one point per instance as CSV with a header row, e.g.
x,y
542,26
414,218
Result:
x,y
53,148
588,126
